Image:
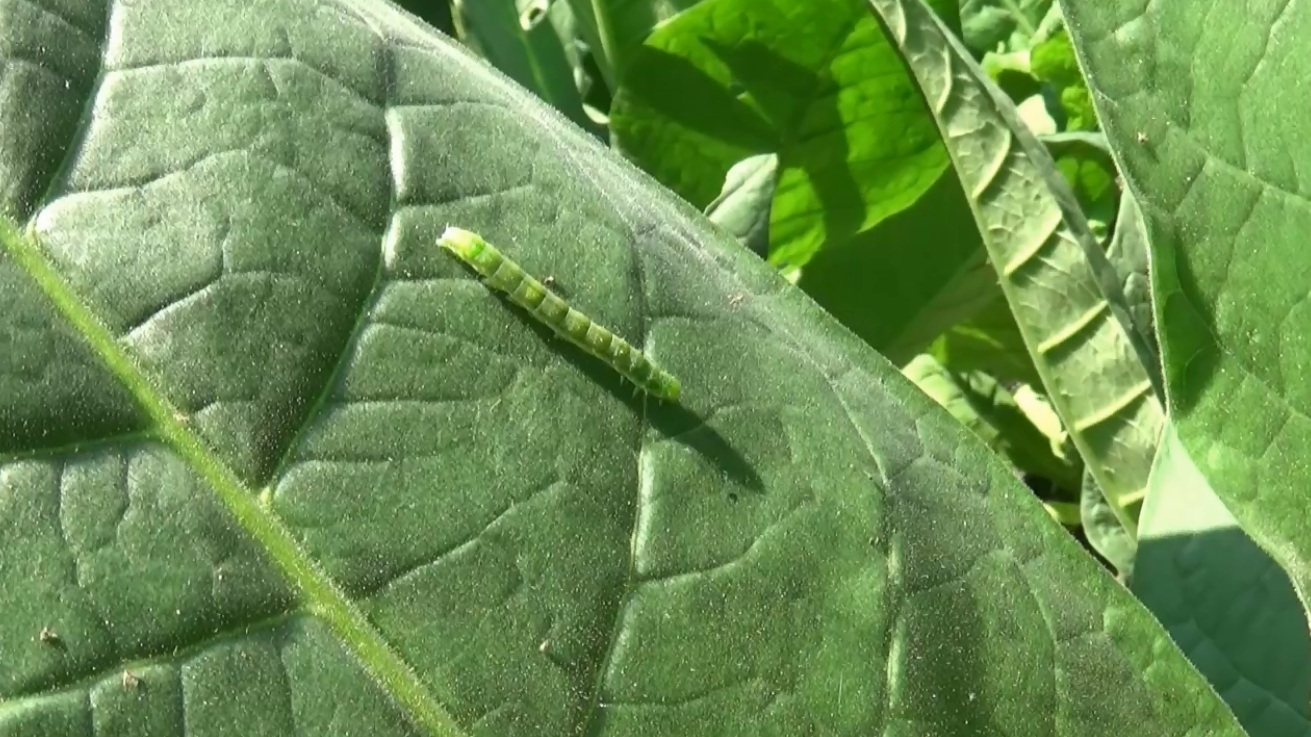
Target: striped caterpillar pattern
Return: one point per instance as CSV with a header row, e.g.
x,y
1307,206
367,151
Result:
x,y
500,273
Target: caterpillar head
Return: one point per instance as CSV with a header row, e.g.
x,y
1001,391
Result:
x,y
665,386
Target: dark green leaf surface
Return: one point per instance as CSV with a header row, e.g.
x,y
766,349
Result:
x,y
815,83
308,476
1211,135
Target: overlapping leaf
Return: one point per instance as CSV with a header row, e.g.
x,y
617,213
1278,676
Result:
x,y
1201,112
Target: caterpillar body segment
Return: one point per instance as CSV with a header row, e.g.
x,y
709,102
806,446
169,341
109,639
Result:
x,y
504,275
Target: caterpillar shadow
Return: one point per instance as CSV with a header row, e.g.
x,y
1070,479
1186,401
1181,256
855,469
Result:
x,y
685,426
673,420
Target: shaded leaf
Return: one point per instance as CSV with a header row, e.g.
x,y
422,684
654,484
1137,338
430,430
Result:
x,y
1128,252
1085,161
978,402
1009,25
615,29
1228,605
990,341
519,39
900,285
1102,527
436,13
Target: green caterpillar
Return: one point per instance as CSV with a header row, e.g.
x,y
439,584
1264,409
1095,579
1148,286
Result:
x,y
499,272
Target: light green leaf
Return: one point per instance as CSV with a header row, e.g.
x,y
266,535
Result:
x,y
1210,142
298,472
1228,605
1053,62
1064,293
742,207
815,83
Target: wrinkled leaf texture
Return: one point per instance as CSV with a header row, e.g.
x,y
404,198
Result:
x,y
271,462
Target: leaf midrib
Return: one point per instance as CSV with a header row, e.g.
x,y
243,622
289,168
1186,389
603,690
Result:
x,y
316,592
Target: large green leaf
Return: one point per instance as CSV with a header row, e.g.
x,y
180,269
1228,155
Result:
x,y
1210,137
815,83
279,466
